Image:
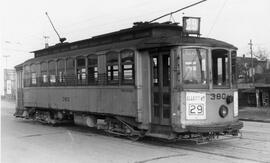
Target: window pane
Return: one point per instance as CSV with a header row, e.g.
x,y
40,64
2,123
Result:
x,y
70,63
70,71
128,66
43,66
127,56
112,58
44,77
34,78
26,76
80,62
92,60
194,66
60,65
52,79
128,74
52,67
155,71
166,70
60,70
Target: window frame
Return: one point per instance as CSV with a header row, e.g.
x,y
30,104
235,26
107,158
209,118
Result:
x,y
228,70
81,71
33,71
44,81
70,75
110,69
234,77
60,78
122,64
94,73
26,75
52,72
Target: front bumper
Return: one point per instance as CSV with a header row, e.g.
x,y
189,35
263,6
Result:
x,y
216,128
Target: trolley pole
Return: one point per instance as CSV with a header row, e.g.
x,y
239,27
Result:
x,y
252,66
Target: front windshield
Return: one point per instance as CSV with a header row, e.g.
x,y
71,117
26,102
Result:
x,y
194,66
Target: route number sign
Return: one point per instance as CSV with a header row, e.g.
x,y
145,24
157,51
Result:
x,y
195,105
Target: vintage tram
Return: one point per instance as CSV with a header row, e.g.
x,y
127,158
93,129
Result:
x,y
152,79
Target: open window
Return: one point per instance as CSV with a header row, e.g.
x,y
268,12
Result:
x,y
195,67
220,67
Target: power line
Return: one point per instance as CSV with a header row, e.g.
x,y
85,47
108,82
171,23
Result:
x,y
176,11
217,16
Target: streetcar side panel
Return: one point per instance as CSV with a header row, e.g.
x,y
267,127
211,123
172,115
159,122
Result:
x,y
95,100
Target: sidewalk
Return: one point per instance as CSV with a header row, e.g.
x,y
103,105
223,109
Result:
x,y
254,114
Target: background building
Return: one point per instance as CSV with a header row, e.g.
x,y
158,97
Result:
x,y
253,82
9,84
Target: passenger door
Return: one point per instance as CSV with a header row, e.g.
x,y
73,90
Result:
x,y
161,87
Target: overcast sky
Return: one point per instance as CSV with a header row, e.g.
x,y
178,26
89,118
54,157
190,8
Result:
x,y
24,23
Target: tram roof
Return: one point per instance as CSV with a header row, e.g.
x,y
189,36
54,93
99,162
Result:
x,y
141,36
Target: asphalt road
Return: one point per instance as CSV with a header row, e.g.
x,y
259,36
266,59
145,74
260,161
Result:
x,y
25,141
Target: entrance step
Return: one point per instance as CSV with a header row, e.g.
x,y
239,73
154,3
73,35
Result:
x,y
161,131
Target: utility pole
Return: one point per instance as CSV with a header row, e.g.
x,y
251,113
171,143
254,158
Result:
x,y
6,56
252,66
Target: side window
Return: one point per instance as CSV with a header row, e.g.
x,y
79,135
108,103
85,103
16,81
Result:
x,y
127,67
26,76
44,74
33,75
81,70
112,68
60,71
52,72
92,69
70,72
234,67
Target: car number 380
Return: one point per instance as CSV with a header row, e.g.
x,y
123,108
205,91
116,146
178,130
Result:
x,y
196,109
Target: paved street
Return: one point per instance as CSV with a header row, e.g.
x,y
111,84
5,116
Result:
x,y
30,142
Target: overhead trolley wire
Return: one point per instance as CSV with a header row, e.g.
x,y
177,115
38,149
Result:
x,y
217,16
177,11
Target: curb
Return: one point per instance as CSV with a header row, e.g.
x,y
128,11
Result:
x,y
254,120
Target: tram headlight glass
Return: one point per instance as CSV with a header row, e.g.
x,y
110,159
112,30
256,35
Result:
x,y
223,111
235,104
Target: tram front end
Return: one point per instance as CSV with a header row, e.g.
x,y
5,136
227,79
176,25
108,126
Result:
x,y
208,105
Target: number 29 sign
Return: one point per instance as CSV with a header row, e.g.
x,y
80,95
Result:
x,y
195,105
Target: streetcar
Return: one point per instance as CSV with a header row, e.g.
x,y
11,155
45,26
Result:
x,y
153,79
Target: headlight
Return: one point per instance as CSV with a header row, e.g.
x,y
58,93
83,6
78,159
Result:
x,y
235,104
223,111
